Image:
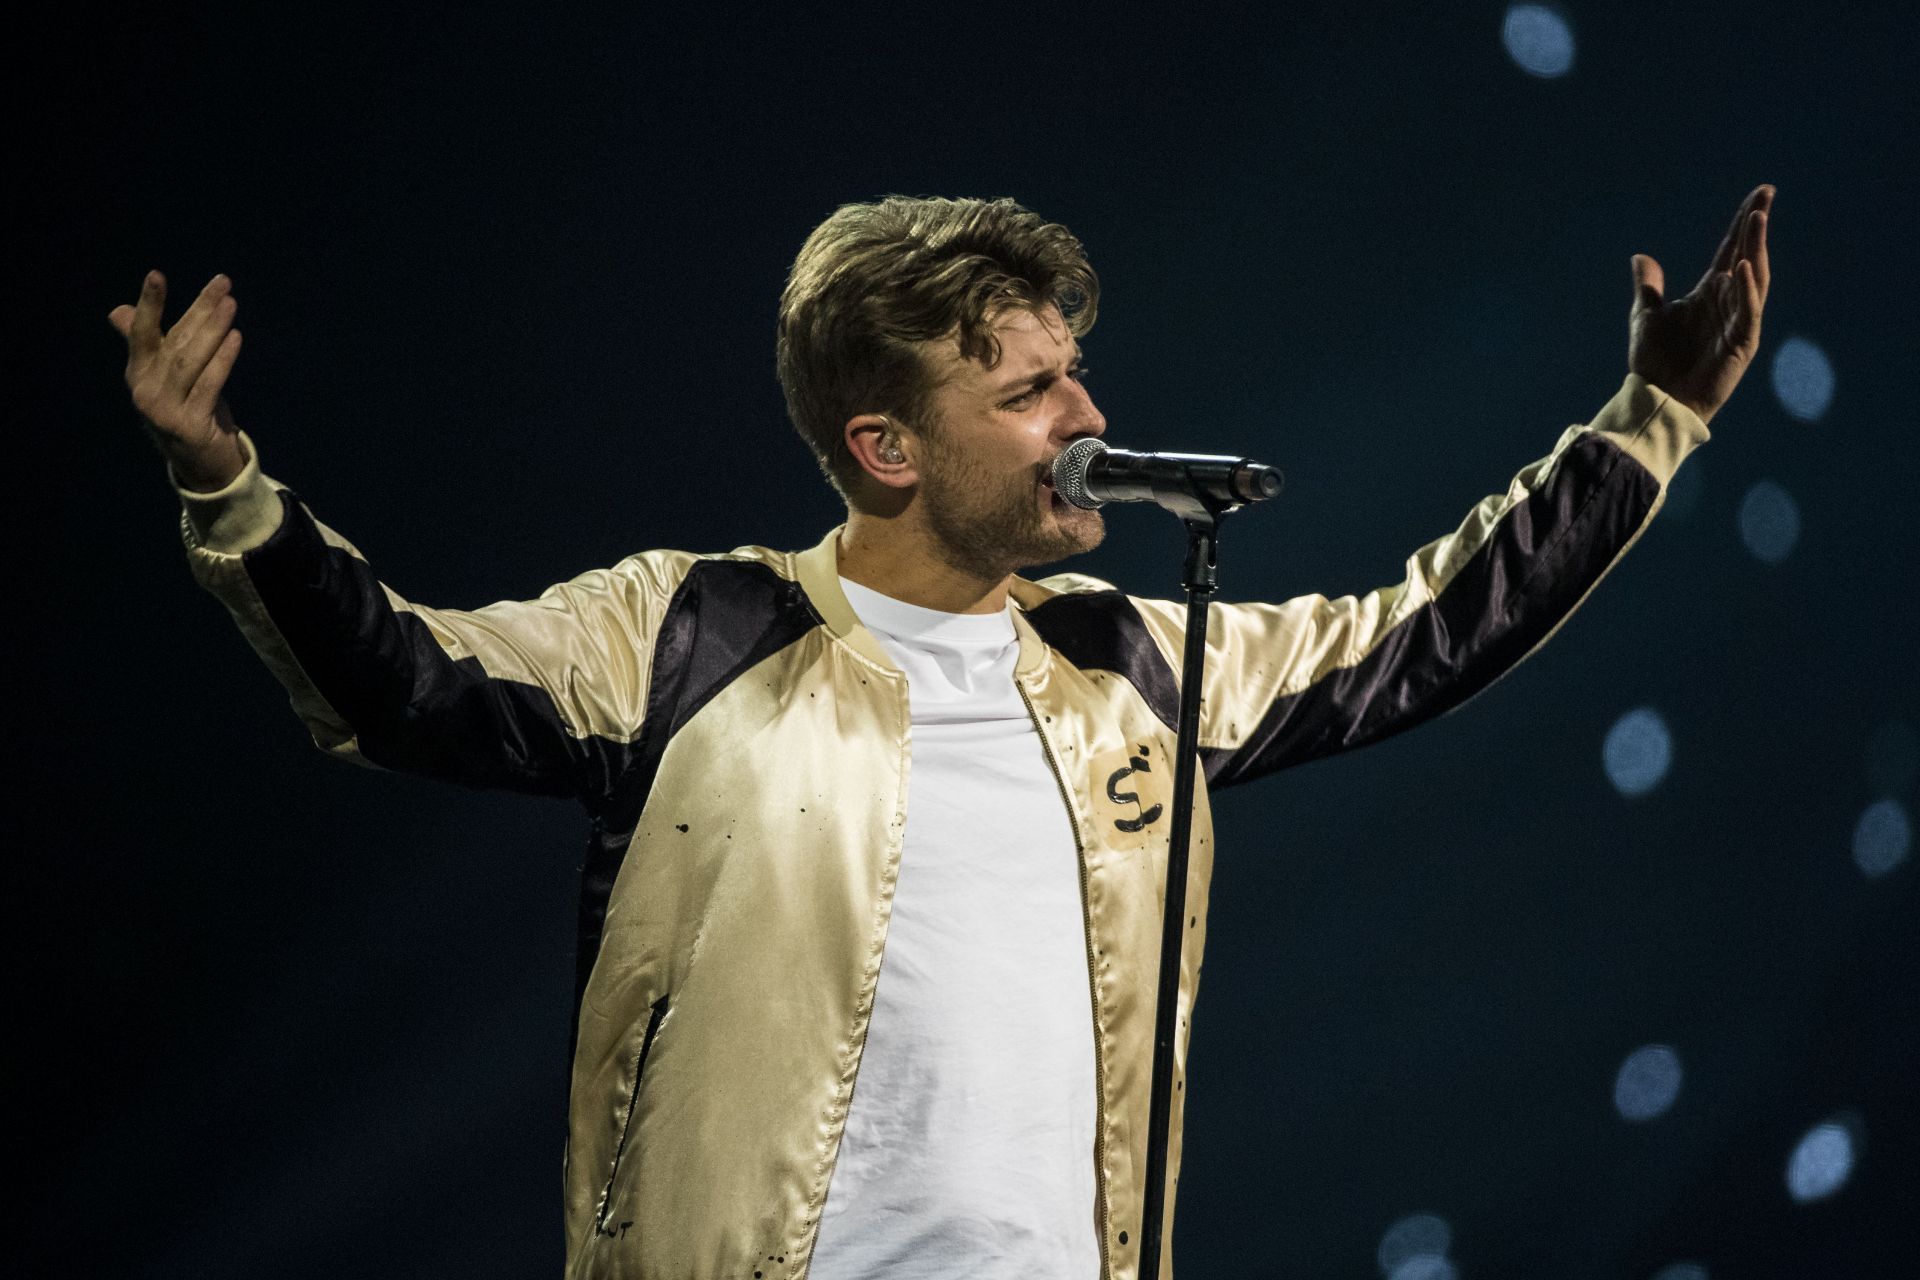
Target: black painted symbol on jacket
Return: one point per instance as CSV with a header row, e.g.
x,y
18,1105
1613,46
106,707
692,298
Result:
x,y
610,1231
1135,764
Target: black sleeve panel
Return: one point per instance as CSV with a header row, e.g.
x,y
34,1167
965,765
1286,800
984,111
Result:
x,y
1542,559
542,696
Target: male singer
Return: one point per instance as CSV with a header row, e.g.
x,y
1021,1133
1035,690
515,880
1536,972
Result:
x,y
870,918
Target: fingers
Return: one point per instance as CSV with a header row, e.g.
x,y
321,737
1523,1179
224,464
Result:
x,y
1737,303
143,334
1747,326
176,376
206,388
1757,252
1730,243
1731,247
204,306
191,353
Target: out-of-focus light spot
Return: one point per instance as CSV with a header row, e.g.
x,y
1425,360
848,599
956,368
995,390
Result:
x,y
1648,1082
1893,757
1538,39
1683,491
1822,1163
1424,1266
1882,838
1638,751
1415,1238
1769,522
1681,1271
1802,379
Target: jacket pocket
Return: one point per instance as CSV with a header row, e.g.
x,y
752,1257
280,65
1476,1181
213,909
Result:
x,y
626,1127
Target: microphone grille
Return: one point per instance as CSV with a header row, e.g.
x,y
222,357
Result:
x,y
1070,472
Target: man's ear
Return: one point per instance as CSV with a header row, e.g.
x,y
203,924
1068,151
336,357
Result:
x,y
882,449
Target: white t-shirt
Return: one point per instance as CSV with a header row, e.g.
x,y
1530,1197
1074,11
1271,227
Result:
x,y
969,1142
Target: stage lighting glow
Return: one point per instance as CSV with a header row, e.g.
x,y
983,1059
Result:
x,y
1769,522
1681,1271
1415,1237
1424,1266
1802,379
1893,758
1683,491
1882,838
1538,39
1648,1082
1821,1164
1638,751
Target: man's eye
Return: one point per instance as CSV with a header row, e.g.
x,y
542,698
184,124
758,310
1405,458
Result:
x,y
1078,375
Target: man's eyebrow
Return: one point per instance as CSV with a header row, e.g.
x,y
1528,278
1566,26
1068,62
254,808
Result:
x,y
1042,376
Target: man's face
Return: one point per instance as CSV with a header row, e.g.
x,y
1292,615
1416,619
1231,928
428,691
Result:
x,y
986,474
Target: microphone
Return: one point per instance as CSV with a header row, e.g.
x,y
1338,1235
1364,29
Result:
x,y
1089,474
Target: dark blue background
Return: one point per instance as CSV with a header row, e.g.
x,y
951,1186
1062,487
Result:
x,y
507,277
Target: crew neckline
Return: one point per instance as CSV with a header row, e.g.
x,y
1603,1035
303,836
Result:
x,y
881,612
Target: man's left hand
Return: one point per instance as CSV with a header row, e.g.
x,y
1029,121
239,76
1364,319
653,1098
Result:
x,y
1696,348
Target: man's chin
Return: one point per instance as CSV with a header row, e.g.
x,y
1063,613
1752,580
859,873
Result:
x,y
1069,535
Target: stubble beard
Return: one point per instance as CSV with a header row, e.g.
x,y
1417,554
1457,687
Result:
x,y
990,525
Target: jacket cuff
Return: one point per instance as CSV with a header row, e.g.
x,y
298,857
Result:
x,y
1652,427
235,518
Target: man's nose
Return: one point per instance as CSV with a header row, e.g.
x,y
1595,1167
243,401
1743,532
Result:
x,y
1086,418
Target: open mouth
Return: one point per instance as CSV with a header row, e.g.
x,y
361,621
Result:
x,y
1046,483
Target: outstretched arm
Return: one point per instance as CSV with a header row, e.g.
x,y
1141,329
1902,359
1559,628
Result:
x,y
544,695
1310,677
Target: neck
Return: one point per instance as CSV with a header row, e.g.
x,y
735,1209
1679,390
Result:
x,y
897,558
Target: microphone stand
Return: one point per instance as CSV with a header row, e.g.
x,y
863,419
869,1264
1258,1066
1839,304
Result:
x,y
1202,515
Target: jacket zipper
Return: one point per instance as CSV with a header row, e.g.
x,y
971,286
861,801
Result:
x,y
633,1100
1093,987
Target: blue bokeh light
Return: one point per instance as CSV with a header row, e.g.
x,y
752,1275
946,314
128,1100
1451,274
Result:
x,y
1538,39
1416,1237
1882,838
1769,522
1681,1271
1822,1163
1638,751
1648,1082
1802,379
1424,1266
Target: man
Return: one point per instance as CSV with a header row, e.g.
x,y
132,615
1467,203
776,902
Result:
x,y
891,748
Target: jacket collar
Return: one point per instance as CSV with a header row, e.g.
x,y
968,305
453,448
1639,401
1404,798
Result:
x,y
818,571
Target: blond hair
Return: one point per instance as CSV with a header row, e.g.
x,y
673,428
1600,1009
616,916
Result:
x,y
875,280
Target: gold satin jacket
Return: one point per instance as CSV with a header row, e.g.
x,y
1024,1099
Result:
x,y
743,748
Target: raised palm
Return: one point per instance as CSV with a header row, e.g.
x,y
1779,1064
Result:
x,y
1697,348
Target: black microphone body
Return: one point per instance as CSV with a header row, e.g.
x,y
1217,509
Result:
x,y
1089,474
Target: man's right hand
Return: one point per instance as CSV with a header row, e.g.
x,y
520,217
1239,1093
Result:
x,y
176,378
